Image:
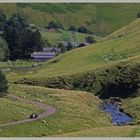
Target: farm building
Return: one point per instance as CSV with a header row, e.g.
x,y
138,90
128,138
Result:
x,y
42,56
52,49
48,53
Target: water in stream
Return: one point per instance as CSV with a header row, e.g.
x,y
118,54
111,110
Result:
x,y
117,117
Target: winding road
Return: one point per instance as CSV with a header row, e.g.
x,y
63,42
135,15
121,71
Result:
x,y
48,110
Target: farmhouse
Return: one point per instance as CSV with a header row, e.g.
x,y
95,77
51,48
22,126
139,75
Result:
x,y
52,49
46,54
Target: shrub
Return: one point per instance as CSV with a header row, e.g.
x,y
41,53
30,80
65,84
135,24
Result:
x,y
70,46
138,15
55,24
72,28
82,29
121,80
3,84
90,39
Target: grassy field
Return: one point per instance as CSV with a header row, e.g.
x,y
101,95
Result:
x,y
102,54
113,131
55,37
111,62
77,110
17,63
78,115
132,106
100,18
12,110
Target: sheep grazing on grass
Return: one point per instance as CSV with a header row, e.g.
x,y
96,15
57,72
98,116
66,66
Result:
x,y
23,97
38,100
58,107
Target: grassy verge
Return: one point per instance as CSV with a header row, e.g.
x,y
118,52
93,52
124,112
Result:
x,y
113,131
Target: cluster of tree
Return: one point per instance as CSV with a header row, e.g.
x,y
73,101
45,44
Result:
x,y
64,48
21,39
80,29
55,24
3,84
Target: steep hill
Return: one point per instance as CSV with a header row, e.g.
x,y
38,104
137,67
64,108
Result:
x,y
101,68
104,53
100,18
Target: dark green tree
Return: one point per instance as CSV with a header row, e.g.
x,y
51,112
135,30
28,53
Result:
x,y
2,20
55,24
21,39
12,35
138,15
82,29
72,28
61,47
70,46
3,84
31,41
90,39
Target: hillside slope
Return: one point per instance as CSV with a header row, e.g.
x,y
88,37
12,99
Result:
x,y
104,53
100,18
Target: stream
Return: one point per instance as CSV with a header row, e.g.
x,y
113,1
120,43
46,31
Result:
x,y
117,116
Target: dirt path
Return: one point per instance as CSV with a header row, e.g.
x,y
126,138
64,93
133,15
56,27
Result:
x,y
48,110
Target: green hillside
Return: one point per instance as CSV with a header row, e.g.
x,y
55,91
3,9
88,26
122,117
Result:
x,y
113,131
101,18
55,37
76,82
103,53
76,111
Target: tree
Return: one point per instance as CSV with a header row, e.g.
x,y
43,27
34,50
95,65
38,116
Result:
x,y
90,39
31,41
12,35
70,46
82,29
138,15
55,24
72,28
61,47
21,38
2,20
3,84
4,51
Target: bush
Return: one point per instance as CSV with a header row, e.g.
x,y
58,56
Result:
x,y
70,46
138,15
55,24
90,39
72,28
82,29
3,84
121,80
